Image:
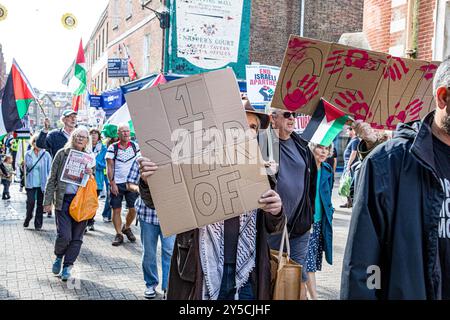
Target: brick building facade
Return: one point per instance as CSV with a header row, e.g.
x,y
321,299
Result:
x,y
124,29
414,28
325,20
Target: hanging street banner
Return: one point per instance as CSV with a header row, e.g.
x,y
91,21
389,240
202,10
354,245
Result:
x,y
117,68
261,83
113,99
209,35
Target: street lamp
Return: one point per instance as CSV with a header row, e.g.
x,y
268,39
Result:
x,y
163,17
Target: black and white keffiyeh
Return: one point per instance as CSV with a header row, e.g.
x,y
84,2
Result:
x,y
212,254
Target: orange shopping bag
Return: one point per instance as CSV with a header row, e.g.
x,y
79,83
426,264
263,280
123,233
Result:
x,y
85,204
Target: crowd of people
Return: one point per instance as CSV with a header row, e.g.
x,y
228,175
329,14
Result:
x,y
400,215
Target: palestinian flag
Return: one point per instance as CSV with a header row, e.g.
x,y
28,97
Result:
x,y
76,78
123,114
17,96
131,70
325,124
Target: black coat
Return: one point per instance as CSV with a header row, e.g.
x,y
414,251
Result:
x,y
395,219
53,141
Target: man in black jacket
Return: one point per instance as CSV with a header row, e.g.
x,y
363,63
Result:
x,y
296,185
55,140
399,239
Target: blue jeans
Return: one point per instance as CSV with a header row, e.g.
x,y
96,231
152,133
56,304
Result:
x,y
228,285
149,239
107,209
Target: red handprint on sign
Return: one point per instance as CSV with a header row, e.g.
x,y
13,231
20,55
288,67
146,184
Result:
x,y
396,69
429,70
354,103
349,58
305,90
413,109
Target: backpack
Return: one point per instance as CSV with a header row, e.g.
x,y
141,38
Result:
x,y
116,149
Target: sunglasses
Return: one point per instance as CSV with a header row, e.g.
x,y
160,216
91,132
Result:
x,y
287,115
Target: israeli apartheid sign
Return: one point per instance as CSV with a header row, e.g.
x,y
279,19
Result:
x,y
372,86
209,167
261,83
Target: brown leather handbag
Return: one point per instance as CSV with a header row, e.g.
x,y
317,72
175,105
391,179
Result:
x,y
286,274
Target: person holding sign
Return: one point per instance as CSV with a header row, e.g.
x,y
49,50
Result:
x,y
241,269
70,168
399,239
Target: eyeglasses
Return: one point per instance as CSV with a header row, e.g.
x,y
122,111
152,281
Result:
x,y
82,137
287,115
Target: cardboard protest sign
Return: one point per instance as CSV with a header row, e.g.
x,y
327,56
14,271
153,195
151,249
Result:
x,y
261,83
192,129
76,164
372,86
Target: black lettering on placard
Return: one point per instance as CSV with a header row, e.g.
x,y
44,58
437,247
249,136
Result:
x,y
165,151
205,198
228,194
183,95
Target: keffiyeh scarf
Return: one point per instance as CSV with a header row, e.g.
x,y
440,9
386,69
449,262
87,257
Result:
x,y
212,254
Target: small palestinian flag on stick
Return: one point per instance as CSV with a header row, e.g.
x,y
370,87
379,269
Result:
x,y
17,97
325,124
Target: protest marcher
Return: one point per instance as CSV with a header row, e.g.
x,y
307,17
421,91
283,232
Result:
x,y
296,185
369,139
13,149
241,244
321,239
107,211
399,243
150,232
69,232
7,178
350,155
99,150
37,165
56,139
120,157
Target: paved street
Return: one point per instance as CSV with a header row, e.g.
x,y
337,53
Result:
x,y
101,271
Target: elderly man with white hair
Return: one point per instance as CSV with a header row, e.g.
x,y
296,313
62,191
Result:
x,y
120,157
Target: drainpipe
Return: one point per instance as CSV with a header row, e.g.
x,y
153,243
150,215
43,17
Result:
x,y
412,29
302,18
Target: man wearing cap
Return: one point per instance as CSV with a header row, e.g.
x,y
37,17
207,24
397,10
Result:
x,y
55,140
